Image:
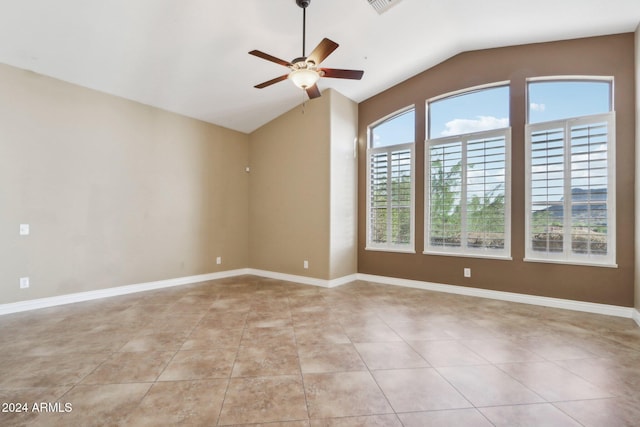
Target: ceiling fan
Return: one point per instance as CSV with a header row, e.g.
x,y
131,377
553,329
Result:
x,y
306,70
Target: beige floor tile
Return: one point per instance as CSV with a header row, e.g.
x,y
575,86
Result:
x,y
419,331
208,338
500,351
156,341
605,412
447,353
221,319
329,358
180,403
130,367
331,333
390,355
269,337
47,371
419,390
371,333
553,347
535,415
96,405
278,424
257,361
198,365
552,382
617,376
264,399
254,340
20,413
488,386
269,318
370,421
344,394
448,418
468,329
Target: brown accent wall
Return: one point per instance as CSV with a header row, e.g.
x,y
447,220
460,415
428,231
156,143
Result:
x,y
607,56
116,192
637,234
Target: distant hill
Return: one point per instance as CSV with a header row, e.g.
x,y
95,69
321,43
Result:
x,y
598,210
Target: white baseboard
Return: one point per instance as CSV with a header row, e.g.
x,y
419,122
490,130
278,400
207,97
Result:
x,y
304,279
610,310
148,286
111,292
589,307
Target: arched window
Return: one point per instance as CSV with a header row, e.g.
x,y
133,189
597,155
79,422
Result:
x,y
468,160
570,149
390,183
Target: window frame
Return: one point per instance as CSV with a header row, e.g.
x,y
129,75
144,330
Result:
x,y
503,254
389,149
567,256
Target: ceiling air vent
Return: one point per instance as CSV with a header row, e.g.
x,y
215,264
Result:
x,y
382,6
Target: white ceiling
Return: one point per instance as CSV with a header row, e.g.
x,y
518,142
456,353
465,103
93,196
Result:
x,y
190,56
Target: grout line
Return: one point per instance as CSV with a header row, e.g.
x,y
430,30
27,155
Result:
x,y
295,340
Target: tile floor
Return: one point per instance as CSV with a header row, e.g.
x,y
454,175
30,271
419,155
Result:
x,y
255,351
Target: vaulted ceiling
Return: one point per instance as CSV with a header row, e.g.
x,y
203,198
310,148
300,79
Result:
x,y
190,56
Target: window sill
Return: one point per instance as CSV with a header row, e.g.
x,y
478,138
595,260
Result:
x,y
571,262
398,250
469,255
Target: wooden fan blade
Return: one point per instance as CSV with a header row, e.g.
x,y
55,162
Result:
x,y
323,50
313,92
342,74
268,57
272,81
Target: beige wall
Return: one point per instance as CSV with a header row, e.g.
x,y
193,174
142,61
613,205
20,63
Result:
x,y
608,56
344,186
289,192
115,192
302,193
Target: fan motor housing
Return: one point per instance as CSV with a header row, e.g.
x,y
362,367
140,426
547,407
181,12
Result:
x,y
303,3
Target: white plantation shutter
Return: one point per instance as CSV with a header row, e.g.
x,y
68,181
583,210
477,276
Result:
x,y
469,198
444,226
390,183
390,198
378,200
589,173
547,189
570,190
486,187
400,196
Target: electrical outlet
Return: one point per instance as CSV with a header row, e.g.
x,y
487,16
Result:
x,y
24,282
24,229
305,264
467,272
219,260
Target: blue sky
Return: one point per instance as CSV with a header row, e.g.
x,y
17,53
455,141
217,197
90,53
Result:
x,y
482,110
559,100
489,109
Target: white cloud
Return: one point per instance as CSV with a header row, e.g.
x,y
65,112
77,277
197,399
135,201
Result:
x,y
537,107
462,126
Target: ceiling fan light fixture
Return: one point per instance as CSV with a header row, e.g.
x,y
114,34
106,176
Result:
x,y
304,78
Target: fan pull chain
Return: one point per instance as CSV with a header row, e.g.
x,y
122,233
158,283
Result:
x,y
304,101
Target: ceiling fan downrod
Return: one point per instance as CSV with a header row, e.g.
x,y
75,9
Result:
x,y
304,4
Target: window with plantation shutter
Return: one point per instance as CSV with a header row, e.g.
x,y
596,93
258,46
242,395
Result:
x,y
390,186
468,203
468,161
570,185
